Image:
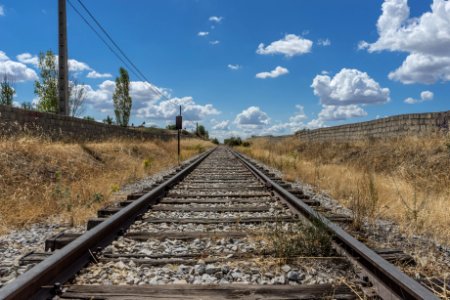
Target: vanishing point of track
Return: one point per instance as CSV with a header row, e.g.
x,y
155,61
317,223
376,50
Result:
x,y
223,202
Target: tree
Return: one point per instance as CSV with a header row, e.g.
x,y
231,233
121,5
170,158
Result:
x,y
46,89
6,91
122,99
108,120
201,131
77,98
89,118
27,106
233,141
171,127
215,141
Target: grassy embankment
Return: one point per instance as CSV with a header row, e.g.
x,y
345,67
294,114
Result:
x,y
406,180
40,178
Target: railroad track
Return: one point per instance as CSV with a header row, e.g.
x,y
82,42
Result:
x,y
218,228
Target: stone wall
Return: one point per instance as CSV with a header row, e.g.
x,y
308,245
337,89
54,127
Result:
x,y
14,121
423,124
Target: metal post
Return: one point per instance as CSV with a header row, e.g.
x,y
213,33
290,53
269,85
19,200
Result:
x,y
179,149
63,90
179,146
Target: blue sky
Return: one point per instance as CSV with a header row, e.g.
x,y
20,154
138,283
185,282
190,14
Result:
x,y
245,67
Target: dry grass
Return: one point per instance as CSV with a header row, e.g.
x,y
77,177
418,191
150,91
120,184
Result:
x,y
406,180
39,178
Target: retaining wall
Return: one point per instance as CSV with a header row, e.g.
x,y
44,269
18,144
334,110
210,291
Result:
x,y
15,121
409,124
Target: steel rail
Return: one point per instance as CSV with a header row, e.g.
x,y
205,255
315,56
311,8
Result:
x,y
41,280
389,281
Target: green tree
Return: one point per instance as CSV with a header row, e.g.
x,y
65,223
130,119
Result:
x,y
89,118
122,99
215,141
27,106
47,88
233,141
108,120
6,91
171,127
201,131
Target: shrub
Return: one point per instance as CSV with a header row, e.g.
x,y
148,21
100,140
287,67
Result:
x,y
233,141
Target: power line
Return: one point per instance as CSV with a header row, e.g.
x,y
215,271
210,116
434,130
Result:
x,y
101,38
134,69
111,39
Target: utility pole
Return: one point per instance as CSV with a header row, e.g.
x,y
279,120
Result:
x,y
63,85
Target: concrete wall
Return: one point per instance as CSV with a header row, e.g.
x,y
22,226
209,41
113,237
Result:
x,y
410,124
15,121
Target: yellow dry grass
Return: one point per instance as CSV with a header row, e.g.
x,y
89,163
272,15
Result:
x,y
406,179
39,178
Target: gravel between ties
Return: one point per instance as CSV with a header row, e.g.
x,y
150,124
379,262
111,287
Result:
x,y
210,260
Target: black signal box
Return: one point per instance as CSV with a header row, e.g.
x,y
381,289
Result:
x,y
179,122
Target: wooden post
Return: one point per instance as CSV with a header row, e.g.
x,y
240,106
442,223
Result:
x,y
63,85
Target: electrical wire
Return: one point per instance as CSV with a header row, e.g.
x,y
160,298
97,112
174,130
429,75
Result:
x,y
135,70
101,38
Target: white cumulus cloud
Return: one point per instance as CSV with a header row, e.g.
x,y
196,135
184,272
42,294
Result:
x,y
3,56
349,86
15,71
215,42
252,117
222,125
336,113
28,59
425,38
77,66
340,113
2,11
74,65
420,68
168,109
289,46
295,122
278,71
95,74
203,33
315,123
424,96
299,116
142,94
410,100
